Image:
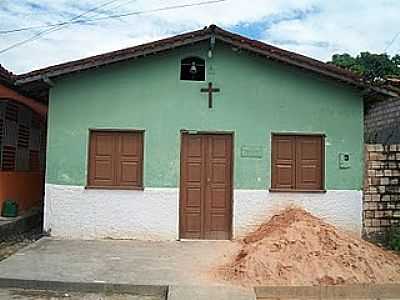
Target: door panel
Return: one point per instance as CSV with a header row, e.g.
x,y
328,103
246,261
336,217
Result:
x,y
308,162
192,186
218,189
129,157
283,157
206,187
102,164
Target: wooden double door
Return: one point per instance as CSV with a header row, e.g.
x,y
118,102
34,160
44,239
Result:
x,y
206,187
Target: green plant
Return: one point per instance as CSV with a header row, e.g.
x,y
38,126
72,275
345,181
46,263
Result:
x,y
370,66
394,238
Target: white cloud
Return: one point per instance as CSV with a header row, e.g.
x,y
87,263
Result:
x,y
341,26
332,26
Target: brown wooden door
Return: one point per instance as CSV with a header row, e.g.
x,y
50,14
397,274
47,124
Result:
x,y
206,187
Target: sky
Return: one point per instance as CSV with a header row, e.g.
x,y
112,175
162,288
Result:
x,y
316,28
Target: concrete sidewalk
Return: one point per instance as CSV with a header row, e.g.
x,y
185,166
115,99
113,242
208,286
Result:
x,y
177,264
209,292
181,270
23,294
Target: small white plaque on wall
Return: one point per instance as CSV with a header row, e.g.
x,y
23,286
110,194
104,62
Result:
x,y
251,151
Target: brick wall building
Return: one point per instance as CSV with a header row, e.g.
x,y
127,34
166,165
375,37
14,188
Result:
x,y
382,122
381,208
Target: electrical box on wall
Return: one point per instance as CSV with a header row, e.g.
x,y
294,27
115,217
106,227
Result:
x,y
344,160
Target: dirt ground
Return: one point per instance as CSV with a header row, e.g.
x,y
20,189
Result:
x,y
17,242
297,248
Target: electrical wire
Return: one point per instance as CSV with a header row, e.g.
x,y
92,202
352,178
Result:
x,y
92,20
392,41
55,27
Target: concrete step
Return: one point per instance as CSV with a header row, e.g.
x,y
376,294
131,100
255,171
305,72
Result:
x,y
209,293
11,228
338,292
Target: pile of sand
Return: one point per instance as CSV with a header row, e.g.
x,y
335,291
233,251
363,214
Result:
x,y
297,248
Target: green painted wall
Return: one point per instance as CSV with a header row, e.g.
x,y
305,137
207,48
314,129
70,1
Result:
x,y
257,97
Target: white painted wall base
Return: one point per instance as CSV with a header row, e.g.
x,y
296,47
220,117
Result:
x,y
73,212
340,208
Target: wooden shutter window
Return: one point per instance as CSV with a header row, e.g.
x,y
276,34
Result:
x,y
116,160
284,164
34,161
8,161
1,132
308,163
1,140
36,122
23,136
11,112
297,163
129,160
102,151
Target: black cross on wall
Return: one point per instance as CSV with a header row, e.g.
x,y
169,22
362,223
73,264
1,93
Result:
x,y
210,90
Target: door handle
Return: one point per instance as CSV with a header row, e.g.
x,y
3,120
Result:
x,y
208,179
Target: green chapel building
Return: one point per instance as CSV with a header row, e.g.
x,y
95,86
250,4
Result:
x,y
203,135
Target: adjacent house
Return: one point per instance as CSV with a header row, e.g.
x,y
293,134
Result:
x,y
22,145
199,136
382,116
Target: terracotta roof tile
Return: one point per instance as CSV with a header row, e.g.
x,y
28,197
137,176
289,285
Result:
x,y
6,75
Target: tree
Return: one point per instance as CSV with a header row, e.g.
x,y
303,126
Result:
x,y
372,67
396,60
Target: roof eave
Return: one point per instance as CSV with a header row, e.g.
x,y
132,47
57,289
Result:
x,y
295,63
236,40
90,65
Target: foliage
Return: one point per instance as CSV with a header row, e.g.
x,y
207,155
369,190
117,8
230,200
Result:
x,y
394,238
372,67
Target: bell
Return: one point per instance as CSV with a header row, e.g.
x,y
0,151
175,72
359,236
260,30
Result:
x,y
193,68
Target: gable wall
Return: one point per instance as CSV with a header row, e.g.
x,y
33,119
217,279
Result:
x,y
257,97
